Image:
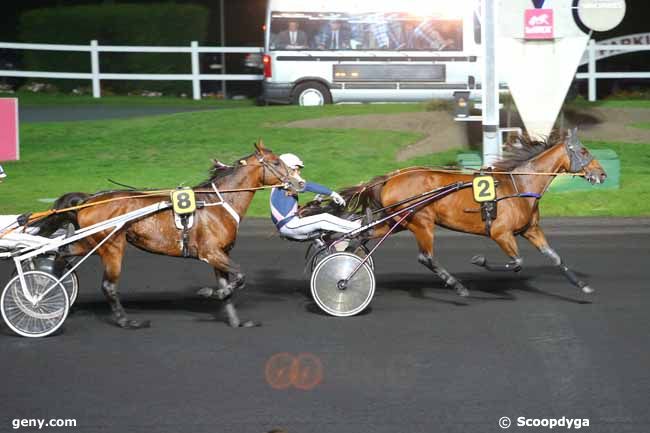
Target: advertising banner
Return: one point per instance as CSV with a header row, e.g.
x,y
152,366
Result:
x,y
9,150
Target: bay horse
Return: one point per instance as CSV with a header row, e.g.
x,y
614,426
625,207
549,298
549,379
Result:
x,y
210,239
522,179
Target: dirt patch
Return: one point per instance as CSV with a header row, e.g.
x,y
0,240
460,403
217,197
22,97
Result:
x,y
440,131
614,125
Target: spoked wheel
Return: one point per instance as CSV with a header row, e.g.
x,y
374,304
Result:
x,y
71,284
46,264
37,311
337,297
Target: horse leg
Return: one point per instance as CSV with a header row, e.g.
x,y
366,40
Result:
x,y
508,244
229,279
111,255
536,236
424,237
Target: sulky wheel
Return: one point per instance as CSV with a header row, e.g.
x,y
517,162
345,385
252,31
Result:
x,y
39,309
339,299
71,282
363,252
316,254
49,264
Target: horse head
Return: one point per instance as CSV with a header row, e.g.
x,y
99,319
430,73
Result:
x,y
274,171
580,159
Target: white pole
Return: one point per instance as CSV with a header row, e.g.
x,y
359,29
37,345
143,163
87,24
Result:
x,y
592,70
490,94
94,68
222,27
196,81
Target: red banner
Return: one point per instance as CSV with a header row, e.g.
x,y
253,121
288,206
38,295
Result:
x,y
9,150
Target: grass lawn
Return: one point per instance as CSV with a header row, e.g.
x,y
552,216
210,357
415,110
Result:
x,y
166,151
30,99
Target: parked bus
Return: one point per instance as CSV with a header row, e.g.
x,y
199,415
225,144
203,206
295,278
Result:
x,y
321,52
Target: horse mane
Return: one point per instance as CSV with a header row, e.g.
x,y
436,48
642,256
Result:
x,y
219,171
524,148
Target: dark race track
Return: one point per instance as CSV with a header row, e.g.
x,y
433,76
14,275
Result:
x,y
421,360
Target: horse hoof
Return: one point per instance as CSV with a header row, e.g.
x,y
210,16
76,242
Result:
x,y
205,292
139,324
479,260
239,281
125,323
462,291
250,324
588,290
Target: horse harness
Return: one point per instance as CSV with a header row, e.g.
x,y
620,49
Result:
x,y
488,205
185,206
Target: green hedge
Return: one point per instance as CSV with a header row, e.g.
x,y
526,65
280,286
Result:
x,y
115,24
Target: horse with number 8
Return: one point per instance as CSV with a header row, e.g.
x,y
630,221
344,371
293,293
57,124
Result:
x,y
521,179
224,199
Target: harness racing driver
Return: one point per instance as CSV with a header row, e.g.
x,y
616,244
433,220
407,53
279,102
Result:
x,y
284,208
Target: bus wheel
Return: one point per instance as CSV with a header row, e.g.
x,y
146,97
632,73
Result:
x,y
310,94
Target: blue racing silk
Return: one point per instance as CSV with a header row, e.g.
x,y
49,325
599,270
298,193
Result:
x,y
284,205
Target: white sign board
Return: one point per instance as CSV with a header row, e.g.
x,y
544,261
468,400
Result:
x,y
538,72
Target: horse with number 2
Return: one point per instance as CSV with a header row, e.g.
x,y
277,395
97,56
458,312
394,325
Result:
x,y
499,203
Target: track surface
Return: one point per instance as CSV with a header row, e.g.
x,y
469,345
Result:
x,y
421,360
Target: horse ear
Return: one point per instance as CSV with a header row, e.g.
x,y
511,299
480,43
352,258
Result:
x,y
260,145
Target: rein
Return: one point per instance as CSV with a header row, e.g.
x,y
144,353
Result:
x,y
156,193
467,171
470,171
473,171
284,177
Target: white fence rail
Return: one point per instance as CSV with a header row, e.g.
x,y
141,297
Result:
x,y
592,75
96,75
196,77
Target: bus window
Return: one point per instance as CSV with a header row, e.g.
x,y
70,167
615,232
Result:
x,y
369,31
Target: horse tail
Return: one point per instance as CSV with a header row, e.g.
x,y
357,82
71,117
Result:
x,y
54,222
365,195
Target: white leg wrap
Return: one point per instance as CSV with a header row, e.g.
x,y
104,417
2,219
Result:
x,y
551,254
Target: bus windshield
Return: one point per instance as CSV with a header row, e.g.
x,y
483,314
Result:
x,y
364,31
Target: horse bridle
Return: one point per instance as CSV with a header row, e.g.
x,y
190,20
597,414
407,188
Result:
x,y
577,159
289,181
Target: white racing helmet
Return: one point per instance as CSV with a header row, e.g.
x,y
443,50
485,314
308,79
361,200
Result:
x,y
292,161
